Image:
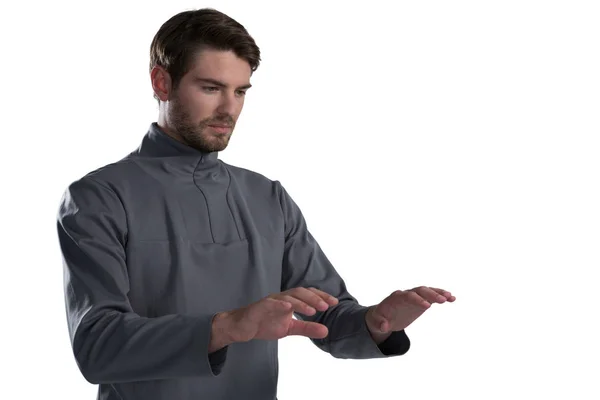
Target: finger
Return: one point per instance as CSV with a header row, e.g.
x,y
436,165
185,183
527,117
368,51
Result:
x,y
430,295
309,297
445,293
270,306
309,329
277,305
412,297
329,299
299,306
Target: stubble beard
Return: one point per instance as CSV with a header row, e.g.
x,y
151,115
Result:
x,y
198,135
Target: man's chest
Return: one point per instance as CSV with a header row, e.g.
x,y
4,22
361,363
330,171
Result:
x,y
193,251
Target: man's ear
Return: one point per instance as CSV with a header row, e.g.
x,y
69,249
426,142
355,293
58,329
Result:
x,y
161,82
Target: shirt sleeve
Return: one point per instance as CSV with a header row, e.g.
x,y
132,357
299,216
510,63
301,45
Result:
x,y
111,343
306,265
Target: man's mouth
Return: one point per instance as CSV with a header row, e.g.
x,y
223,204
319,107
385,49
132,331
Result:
x,y
221,128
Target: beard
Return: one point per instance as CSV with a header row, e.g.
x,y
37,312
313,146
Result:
x,y
199,135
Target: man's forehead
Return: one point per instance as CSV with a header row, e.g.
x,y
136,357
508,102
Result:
x,y
212,59
223,66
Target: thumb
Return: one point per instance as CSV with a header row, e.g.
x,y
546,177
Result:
x,y
376,321
309,329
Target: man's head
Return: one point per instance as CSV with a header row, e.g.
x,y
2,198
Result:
x,y
200,65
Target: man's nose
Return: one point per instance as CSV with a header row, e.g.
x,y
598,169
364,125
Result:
x,y
228,104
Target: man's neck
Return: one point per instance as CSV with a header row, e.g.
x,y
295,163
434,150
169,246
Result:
x,y
166,128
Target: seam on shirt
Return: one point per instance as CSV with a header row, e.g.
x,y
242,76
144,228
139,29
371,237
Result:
x,y
150,176
229,204
344,337
205,199
120,201
115,391
279,192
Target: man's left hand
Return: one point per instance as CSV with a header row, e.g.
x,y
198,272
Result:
x,y
402,308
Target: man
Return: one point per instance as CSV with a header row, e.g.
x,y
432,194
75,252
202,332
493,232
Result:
x,y
181,271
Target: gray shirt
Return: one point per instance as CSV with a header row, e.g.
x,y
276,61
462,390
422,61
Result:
x,y
157,243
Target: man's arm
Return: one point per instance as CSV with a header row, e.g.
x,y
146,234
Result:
x,y
112,343
305,265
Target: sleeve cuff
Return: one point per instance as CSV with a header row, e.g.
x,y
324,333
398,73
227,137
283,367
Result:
x,y
213,362
396,345
217,360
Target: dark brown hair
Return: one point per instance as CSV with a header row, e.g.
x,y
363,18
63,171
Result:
x,y
185,34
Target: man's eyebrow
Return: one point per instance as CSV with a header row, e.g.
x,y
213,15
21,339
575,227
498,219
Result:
x,y
219,83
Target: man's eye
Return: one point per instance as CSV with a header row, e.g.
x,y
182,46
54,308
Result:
x,y
241,92
210,88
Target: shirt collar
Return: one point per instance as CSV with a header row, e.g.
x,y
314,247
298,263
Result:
x,y
157,143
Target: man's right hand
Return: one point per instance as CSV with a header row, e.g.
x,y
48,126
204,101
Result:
x,y
271,318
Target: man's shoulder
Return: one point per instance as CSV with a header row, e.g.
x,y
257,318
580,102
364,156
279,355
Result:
x,y
251,177
109,175
114,172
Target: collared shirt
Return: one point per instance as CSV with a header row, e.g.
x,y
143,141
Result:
x,y
157,243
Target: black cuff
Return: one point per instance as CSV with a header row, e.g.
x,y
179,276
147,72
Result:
x,y
217,360
396,345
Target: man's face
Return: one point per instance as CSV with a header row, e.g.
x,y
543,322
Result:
x,y
204,108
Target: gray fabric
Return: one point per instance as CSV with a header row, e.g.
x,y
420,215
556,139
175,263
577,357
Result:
x,y
157,243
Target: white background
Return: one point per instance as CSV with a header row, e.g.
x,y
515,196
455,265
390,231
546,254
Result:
x,y
442,143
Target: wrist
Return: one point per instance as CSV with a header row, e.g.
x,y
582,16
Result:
x,y
220,334
376,334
